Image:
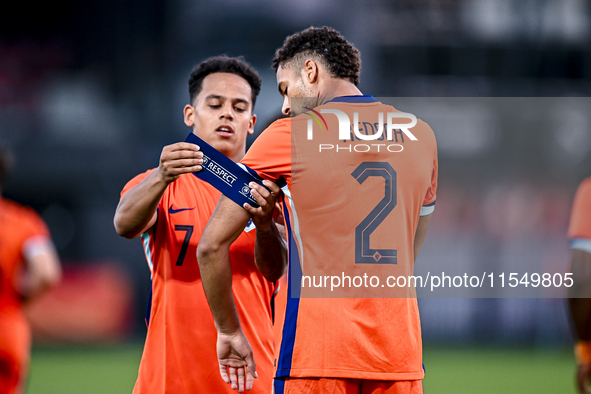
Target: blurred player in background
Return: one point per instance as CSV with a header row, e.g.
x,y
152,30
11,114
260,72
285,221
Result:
x,y
29,266
169,207
332,345
579,233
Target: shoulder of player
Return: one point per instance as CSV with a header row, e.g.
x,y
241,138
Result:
x,y
424,127
19,214
281,123
584,189
586,183
280,126
16,208
422,130
136,180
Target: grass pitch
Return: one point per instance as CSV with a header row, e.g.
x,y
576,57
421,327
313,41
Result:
x,y
450,370
84,370
484,370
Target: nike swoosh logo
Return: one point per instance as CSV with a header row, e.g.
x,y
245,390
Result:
x,y
172,211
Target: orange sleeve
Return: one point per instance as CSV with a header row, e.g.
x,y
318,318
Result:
x,y
135,181
580,218
270,154
432,191
37,237
431,196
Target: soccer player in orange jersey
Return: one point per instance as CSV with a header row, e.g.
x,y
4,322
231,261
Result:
x,y
579,233
29,266
350,206
169,207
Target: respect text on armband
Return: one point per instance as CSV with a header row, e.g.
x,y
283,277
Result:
x,y
219,171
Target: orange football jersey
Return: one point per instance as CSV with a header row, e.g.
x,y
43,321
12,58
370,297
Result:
x,y
180,350
18,226
580,219
352,206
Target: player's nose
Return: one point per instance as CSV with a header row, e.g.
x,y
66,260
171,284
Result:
x,y
286,108
227,112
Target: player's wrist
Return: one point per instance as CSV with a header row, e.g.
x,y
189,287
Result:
x,y
583,352
229,331
160,179
229,325
264,226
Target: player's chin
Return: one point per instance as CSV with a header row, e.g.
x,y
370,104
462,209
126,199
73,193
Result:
x,y
223,140
230,139
225,145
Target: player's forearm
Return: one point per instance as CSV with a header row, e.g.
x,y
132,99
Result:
x,y
216,275
213,254
580,310
137,208
580,295
270,252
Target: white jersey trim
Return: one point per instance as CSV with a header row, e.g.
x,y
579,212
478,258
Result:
x,y
295,224
427,210
146,240
583,244
37,245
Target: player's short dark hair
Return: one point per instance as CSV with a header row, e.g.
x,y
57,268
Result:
x,y
337,54
224,64
6,160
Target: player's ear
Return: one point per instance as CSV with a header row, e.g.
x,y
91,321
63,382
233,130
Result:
x,y
311,71
251,123
189,114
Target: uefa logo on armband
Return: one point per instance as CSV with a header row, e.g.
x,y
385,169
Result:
x,y
245,191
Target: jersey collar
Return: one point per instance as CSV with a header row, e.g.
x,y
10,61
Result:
x,y
354,99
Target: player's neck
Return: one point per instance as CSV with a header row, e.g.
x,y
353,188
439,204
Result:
x,y
337,87
236,157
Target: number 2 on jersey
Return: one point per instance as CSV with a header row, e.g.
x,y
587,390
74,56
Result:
x,y
188,232
363,252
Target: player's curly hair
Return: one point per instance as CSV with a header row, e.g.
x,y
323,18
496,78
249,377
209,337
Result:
x,y
338,55
224,64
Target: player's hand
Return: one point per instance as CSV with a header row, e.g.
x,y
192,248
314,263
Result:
x,y
234,355
179,158
583,378
262,217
